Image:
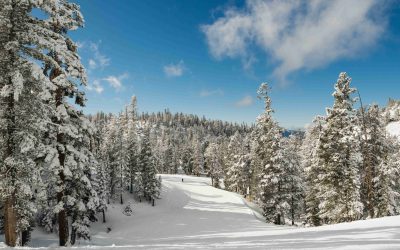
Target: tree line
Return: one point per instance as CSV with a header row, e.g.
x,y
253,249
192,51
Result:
x,y
344,167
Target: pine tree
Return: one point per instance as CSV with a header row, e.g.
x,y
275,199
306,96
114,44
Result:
x,y
188,160
198,157
102,189
101,178
121,155
24,113
246,170
374,150
339,183
387,183
312,169
150,181
71,159
268,151
233,167
214,162
132,144
109,149
293,177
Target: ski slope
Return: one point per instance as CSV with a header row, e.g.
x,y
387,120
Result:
x,y
194,215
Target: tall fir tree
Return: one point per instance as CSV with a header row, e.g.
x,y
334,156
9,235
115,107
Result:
x,y
293,176
214,162
198,168
71,156
339,182
24,113
269,154
312,169
233,167
146,163
132,143
374,151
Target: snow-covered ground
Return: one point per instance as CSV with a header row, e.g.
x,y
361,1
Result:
x,y
393,128
194,215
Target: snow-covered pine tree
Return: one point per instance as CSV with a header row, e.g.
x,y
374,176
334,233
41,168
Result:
x,y
139,184
233,166
146,163
109,151
198,157
132,143
71,158
374,151
121,155
24,113
312,169
168,156
339,181
380,166
214,163
139,181
101,177
82,184
270,159
293,177
102,189
256,168
187,159
246,171
387,183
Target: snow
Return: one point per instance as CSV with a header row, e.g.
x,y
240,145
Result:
x,y
393,128
193,215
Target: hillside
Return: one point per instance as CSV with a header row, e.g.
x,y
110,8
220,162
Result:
x,y
193,215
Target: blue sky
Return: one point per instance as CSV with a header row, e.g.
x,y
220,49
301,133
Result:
x,y
209,57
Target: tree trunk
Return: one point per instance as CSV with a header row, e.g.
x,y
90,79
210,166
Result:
x,y
278,219
73,231
292,210
73,236
63,230
122,201
104,215
10,222
10,215
131,185
153,202
25,236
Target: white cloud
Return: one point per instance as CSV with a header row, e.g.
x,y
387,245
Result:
x,y
92,64
96,86
297,34
80,44
245,101
98,59
174,70
116,81
205,93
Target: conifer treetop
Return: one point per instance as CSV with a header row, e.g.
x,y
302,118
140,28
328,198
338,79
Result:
x,y
262,93
342,93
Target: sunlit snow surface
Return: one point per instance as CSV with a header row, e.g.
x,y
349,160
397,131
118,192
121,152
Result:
x,y
393,128
194,215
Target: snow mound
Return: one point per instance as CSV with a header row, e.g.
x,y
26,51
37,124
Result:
x,y
393,128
